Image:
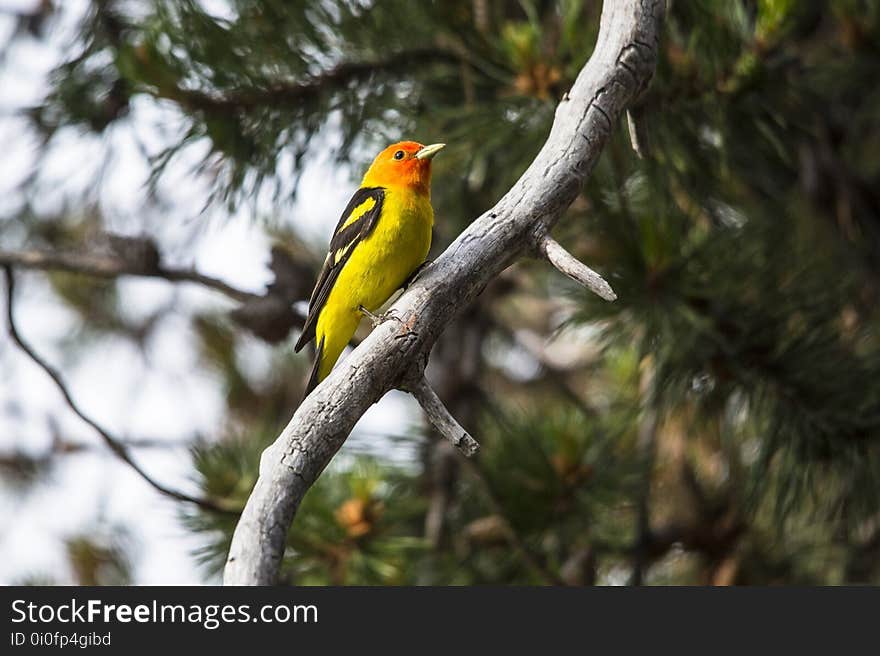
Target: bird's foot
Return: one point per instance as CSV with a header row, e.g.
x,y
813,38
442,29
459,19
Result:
x,y
378,319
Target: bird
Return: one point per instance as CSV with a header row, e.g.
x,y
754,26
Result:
x,y
379,244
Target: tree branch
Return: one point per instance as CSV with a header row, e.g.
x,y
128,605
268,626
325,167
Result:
x,y
566,263
441,419
112,266
293,93
621,65
270,316
638,132
117,446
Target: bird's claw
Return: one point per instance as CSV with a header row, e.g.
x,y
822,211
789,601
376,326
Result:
x,y
378,319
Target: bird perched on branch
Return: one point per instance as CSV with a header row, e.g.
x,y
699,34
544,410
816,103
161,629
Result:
x,y
381,240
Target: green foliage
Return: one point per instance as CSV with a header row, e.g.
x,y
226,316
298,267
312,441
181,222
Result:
x,y
101,556
558,481
722,282
359,525
225,471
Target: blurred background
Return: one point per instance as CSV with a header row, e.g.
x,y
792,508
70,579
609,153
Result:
x,y
169,177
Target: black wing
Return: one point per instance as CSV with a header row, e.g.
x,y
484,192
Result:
x,y
357,221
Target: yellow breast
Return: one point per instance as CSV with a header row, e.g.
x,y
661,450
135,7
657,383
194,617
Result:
x,y
387,257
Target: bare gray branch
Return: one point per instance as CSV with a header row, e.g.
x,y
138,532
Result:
x,y
111,266
574,268
441,419
116,445
621,65
638,132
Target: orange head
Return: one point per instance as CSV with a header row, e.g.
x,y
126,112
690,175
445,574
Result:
x,y
406,164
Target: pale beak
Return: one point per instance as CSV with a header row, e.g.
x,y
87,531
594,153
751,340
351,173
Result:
x,y
428,152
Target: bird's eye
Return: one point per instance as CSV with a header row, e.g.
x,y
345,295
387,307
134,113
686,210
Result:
x,y
399,154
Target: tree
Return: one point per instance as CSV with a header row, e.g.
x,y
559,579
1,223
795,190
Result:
x,y
717,423
520,223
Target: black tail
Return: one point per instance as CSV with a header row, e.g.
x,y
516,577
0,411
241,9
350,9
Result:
x,y
313,376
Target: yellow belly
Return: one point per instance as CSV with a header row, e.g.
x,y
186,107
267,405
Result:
x,y
378,266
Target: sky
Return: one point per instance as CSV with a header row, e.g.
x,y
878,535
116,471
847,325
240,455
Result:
x,y
157,394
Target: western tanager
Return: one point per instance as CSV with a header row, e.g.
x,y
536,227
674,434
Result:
x,y
382,238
